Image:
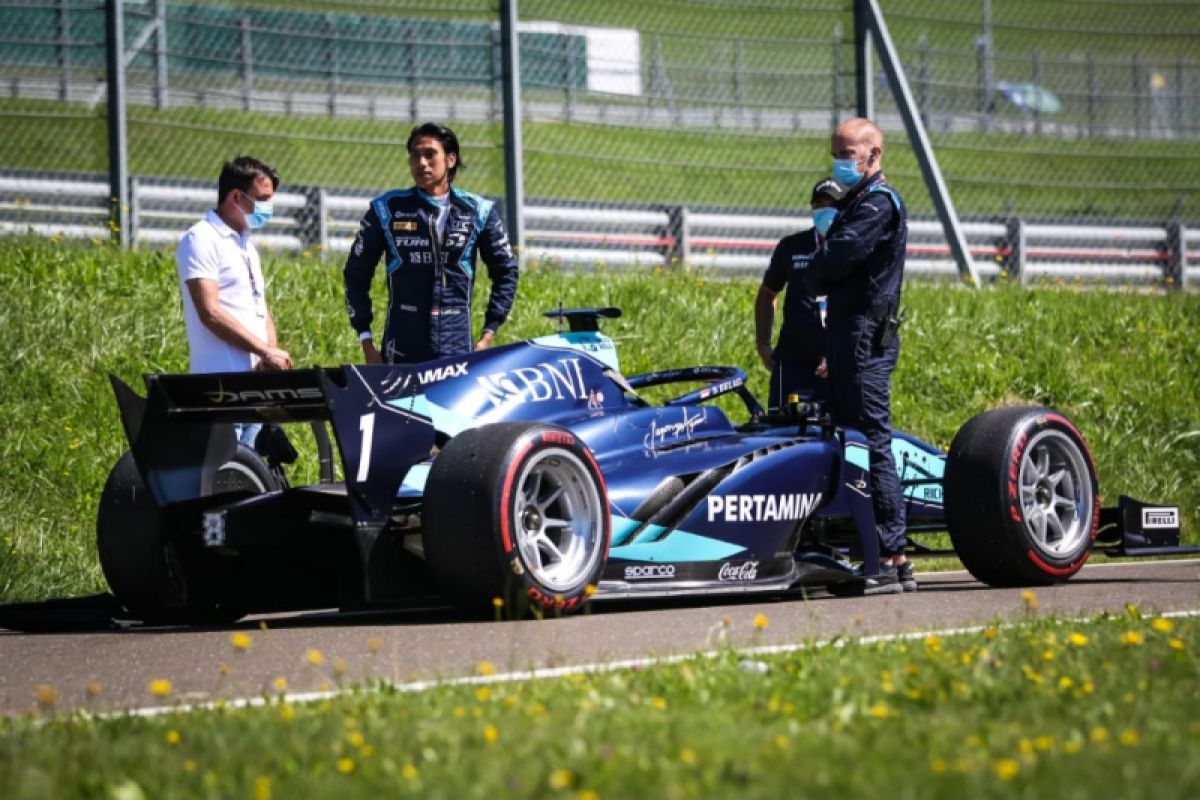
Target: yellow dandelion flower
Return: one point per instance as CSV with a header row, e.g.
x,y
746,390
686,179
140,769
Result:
x,y
262,788
782,742
356,739
1006,768
587,794
173,738
879,711
938,766
1024,747
498,602
485,668
366,751
374,644
1162,625
46,695
189,765
409,772
1176,644
989,633
287,713
1132,638
1030,599
94,689
1065,682
589,590
561,779
687,756
482,694
1128,737
1098,735
345,765
1072,746
159,687
490,734
1047,655
1044,743
1078,639
760,622
658,703
241,640
1132,610
314,657
281,684
1087,687
933,644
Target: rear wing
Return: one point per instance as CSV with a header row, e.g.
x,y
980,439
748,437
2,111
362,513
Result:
x,y
181,432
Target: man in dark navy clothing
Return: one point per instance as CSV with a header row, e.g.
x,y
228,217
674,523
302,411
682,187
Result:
x,y
431,234
860,269
797,362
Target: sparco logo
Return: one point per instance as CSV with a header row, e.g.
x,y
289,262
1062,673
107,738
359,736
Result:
x,y
1160,518
264,395
649,571
747,571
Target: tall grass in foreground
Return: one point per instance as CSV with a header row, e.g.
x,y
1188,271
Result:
x,y
1122,365
1048,708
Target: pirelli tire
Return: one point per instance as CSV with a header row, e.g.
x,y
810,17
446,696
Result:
x,y
1021,500
516,511
145,568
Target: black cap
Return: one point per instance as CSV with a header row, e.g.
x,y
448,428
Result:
x,y
830,188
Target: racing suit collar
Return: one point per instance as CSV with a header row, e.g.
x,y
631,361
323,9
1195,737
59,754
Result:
x,y
429,200
860,190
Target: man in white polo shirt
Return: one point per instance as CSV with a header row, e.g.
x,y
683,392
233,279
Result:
x,y
229,328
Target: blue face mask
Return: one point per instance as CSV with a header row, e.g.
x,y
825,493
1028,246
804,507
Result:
x,y
261,214
846,172
823,218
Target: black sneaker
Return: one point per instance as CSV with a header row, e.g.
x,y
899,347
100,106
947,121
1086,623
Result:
x,y
904,574
884,582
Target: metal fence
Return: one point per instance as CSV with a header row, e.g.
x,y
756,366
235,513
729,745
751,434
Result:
x,y
1068,112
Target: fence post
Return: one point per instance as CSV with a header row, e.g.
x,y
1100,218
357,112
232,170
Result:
x,y
64,48
160,54
1179,97
411,37
864,79
1014,262
135,210
679,252
514,169
118,153
247,62
739,79
497,74
1176,267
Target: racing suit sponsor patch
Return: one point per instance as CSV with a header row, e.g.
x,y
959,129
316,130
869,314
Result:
x,y
404,225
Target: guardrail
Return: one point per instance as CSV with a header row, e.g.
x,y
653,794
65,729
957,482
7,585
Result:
x,y
726,240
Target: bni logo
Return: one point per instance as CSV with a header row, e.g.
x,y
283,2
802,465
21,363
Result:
x,y
1160,518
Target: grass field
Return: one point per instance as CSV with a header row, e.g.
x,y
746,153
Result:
x,y
1122,365
989,175
1051,707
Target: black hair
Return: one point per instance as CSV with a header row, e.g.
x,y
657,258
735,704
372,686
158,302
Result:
x,y
445,136
241,173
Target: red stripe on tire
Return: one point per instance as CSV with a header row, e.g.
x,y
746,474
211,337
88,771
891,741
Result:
x,y
506,492
1071,569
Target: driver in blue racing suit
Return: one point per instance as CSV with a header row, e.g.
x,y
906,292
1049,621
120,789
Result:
x,y
431,233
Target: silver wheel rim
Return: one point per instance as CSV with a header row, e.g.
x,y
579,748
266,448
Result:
x,y
557,520
1056,494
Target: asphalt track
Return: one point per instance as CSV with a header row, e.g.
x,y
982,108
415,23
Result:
x,y
202,664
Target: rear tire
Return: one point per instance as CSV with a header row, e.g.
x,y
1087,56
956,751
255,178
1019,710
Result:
x,y
1021,501
143,566
516,511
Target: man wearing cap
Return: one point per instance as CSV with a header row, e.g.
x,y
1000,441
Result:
x,y
860,268
797,362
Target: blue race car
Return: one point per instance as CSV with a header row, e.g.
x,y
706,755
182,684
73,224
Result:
x,y
535,474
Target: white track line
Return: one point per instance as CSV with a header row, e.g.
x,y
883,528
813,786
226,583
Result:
x,y
543,673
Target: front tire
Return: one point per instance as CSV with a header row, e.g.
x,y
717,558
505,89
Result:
x,y
519,512
1022,505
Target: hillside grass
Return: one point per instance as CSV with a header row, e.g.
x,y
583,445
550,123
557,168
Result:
x,y
1121,364
1105,707
989,175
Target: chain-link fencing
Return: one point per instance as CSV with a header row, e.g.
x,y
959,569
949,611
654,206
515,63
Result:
x,y
1069,112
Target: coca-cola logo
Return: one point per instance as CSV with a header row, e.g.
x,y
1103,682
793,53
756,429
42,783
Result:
x,y
746,571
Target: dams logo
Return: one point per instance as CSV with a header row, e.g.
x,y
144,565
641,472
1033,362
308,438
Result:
x,y
222,396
